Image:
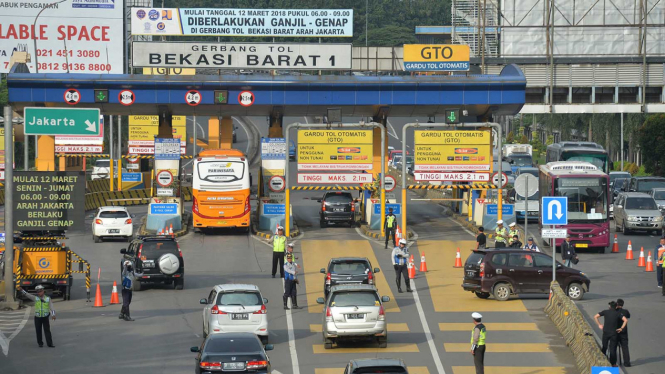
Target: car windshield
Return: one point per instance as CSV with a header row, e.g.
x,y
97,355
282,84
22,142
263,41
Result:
x,y
587,198
598,160
659,195
102,163
350,268
221,344
113,214
615,176
475,258
409,160
339,199
649,184
248,298
343,299
154,249
381,369
520,160
641,203
533,172
221,171
505,168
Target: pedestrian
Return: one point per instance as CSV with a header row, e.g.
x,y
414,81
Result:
x,y
662,269
512,234
43,310
568,251
478,342
400,257
531,246
481,239
515,242
623,335
289,251
390,226
611,329
500,235
290,283
278,242
128,276
660,250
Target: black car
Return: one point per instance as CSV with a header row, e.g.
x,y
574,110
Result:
x,y
239,352
337,207
644,184
376,365
348,270
159,259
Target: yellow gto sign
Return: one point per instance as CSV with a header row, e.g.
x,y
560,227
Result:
x,y
452,151
145,128
436,57
335,149
460,137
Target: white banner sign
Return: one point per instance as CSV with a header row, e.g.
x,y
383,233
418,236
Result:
x,y
242,55
458,168
147,150
320,178
317,23
77,36
453,177
313,167
78,149
554,233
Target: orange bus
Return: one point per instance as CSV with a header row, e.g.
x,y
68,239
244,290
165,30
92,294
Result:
x,y
220,190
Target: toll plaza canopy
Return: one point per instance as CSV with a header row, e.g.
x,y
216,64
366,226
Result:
x,y
479,95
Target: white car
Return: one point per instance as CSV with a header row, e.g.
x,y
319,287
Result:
x,y
101,170
112,222
235,308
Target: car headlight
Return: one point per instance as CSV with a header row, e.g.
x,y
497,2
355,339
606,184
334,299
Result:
x,y
658,219
581,273
632,218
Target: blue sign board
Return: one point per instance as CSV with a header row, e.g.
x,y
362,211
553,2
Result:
x,y
2,237
167,149
273,149
554,210
274,209
493,209
604,370
397,208
163,208
131,177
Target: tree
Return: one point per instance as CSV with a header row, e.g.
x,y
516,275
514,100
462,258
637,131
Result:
x,y
4,94
651,139
510,138
524,140
389,36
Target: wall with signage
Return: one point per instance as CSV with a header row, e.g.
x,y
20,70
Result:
x,y
451,155
335,149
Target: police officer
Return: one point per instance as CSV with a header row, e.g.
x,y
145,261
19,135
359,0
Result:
x,y
611,329
500,235
290,283
478,342
623,335
43,310
128,276
512,233
390,226
278,247
660,252
662,268
568,251
400,257
289,251
531,246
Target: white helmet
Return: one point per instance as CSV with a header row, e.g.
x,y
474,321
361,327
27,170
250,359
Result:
x,y
512,224
290,245
402,241
39,288
499,222
476,315
127,263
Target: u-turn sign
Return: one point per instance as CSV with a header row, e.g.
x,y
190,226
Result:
x,y
555,210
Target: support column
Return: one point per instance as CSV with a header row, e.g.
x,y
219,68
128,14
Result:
x,y
45,153
213,133
226,133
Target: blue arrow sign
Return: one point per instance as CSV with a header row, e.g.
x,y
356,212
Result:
x,y
604,370
555,210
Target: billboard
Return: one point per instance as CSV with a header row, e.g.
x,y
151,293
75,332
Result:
x,y
78,36
335,149
316,23
436,57
144,129
454,150
242,55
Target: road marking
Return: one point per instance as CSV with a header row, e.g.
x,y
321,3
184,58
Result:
x,y
4,340
246,133
501,347
428,333
392,348
444,281
390,127
510,369
490,326
292,339
463,228
392,327
412,370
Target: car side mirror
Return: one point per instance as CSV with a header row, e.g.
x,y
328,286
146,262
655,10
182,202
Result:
x,y
203,301
323,271
123,251
385,299
320,300
377,270
194,349
269,347
265,301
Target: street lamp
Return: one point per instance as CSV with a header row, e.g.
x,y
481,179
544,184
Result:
x,y
34,30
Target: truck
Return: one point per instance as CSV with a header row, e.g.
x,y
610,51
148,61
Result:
x,y
518,155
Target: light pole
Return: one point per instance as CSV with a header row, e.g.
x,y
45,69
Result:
x,y
34,31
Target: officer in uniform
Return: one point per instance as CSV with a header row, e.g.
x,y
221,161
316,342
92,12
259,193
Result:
x,y
43,310
660,251
400,257
500,235
290,283
531,246
390,226
512,232
478,343
278,247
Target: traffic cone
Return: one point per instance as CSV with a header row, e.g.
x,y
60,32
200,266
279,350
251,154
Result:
x,y
114,294
640,261
615,247
411,267
171,229
98,297
629,252
423,263
398,236
458,259
649,263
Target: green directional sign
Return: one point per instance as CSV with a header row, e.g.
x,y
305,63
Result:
x,y
452,115
62,121
221,96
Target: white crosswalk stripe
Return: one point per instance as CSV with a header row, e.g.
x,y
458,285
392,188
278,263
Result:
x,y
11,324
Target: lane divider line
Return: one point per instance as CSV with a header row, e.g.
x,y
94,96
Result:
x,y
292,339
428,333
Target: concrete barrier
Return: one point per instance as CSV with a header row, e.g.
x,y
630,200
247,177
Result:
x,y
577,333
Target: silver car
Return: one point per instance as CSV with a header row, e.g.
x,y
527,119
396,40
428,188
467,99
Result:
x,y
637,211
658,194
354,311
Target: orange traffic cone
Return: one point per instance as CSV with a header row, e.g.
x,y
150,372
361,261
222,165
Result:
x,y
411,267
423,263
398,236
98,297
171,229
629,252
640,261
649,263
458,259
114,294
615,247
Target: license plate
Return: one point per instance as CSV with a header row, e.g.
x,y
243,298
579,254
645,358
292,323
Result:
x,y
470,273
355,316
221,222
148,264
114,231
339,210
233,366
240,316
582,245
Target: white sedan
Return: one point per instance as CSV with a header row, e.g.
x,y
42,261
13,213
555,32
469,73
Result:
x,y
112,222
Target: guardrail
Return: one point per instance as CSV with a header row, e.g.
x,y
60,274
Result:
x,y
94,200
575,330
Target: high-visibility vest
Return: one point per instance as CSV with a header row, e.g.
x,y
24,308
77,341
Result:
x,y
661,250
513,233
42,308
279,244
390,219
500,232
481,338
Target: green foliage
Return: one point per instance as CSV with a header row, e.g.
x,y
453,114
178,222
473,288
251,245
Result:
x,y
651,138
524,140
389,36
510,138
4,94
550,139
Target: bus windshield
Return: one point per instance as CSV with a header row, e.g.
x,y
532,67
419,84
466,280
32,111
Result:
x,y
598,160
221,171
521,160
587,198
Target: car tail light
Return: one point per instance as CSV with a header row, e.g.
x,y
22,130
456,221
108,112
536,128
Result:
x,y
215,310
195,203
482,270
128,222
211,365
179,251
263,310
247,206
328,279
328,314
98,221
139,253
370,278
256,364
62,282
353,207
382,314
199,159
323,206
